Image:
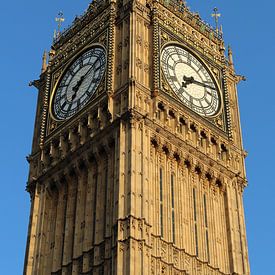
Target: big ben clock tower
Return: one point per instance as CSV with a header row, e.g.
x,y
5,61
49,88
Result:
x,y
137,163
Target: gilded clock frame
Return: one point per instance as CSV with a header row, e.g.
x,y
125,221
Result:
x,y
215,80
165,36
63,71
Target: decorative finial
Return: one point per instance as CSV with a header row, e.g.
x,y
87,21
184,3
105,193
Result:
x,y
221,31
230,58
216,15
182,5
51,54
60,19
44,62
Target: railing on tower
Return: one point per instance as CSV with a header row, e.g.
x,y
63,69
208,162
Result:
x,y
180,8
93,7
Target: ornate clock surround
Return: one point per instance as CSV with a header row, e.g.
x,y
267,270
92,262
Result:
x,y
99,30
78,82
179,49
168,37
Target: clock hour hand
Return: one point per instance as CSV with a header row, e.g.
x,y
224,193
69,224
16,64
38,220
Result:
x,y
76,87
79,82
85,75
191,80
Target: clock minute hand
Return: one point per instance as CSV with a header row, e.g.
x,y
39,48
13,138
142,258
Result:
x,y
191,80
79,82
85,75
203,85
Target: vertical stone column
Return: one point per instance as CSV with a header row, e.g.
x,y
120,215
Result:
x,y
212,227
60,225
109,206
224,229
90,210
40,234
79,217
72,182
246,268
33,223
50,231
234,235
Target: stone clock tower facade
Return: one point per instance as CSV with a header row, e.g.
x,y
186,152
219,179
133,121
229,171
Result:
x,y
137,163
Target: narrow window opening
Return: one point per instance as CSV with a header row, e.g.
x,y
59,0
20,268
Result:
x,y
159,110
223,152
172,119
171,114
193,128
173,209
203,139
154,142
208,176
187,163
198,170
161,200
213,141
182,121
195,223
206,228
218,183
182,124
214,145
161,106
165,149
177,157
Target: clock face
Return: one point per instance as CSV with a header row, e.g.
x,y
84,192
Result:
x,y
190,80
79,83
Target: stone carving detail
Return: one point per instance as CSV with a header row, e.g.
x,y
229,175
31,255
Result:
x,y
119,69
126,42
121,247
182,262
119,46
146,68
176,257
139,40
139,63
126,64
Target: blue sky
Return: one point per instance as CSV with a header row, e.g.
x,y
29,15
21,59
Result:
x,y
27,29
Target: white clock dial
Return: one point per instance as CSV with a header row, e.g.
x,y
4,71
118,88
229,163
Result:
x,y
190,79
79,83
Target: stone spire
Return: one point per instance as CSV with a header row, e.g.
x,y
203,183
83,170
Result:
x,y
230,58
44,62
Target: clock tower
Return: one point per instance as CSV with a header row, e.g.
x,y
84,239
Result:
x,y
137,163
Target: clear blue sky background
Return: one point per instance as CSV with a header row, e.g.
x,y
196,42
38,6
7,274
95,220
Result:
x,y
27,29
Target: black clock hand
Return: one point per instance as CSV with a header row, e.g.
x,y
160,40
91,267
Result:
x,y
76,87
191,80
85,75
203,85
79,82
